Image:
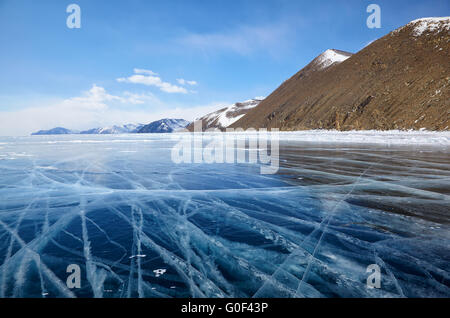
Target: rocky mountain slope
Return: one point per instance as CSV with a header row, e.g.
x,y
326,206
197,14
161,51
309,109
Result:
x,y
400,81
225,117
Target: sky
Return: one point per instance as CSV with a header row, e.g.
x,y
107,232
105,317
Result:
x,y
137,61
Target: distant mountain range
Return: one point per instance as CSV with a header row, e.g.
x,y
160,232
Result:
x,y
125,129
400,81
160,126
55,131
163,126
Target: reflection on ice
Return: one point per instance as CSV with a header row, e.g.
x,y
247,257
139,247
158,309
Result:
x,y
140,226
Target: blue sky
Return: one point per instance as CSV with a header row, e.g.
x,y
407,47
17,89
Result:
x,y
228,51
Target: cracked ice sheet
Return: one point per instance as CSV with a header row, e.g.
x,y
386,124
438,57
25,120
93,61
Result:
x,y
118,207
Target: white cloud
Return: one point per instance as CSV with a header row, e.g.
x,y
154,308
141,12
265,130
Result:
x,y
182,81
135,99
152,80
242,40
142,71
95,98
95,108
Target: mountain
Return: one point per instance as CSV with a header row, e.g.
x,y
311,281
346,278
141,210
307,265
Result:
x,y
225,117
164,126
125,129
55,131
160,126
325,60
400,81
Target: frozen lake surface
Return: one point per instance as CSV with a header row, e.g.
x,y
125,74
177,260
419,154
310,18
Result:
x,y
139,225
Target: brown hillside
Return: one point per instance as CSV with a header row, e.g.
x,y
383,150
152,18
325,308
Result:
x,y
400,81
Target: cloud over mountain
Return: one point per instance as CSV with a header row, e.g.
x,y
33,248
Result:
x,y
149,78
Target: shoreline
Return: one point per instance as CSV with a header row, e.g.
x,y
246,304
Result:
x,y
380,137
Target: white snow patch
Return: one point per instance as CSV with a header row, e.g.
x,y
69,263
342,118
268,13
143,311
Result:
x,y
430,25
391,137
330,57
138,256
388,137
226,118
159,272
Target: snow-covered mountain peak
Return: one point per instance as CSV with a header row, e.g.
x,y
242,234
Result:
x,y
115,129
430,25
427,25
166,125
229,115
331,56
